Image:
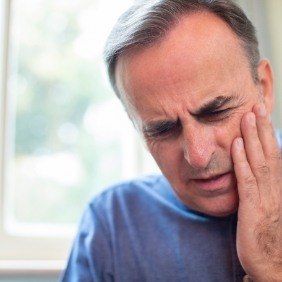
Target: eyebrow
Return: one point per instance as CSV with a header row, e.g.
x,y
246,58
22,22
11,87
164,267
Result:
x,y
213,105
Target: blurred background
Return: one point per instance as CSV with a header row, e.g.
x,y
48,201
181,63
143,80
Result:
x,y
64,136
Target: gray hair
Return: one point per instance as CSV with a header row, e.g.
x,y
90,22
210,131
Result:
x,y
147,21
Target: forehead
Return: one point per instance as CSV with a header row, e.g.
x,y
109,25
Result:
x,y
201,56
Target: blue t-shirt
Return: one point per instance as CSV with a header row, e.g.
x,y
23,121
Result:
x,y
139,231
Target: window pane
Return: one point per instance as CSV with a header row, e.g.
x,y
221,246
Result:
x,y
62,144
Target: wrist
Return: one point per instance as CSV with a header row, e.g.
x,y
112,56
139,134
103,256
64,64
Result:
x,y
270,278
247,278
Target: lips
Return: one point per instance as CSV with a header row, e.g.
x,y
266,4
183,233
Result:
x,y
215,182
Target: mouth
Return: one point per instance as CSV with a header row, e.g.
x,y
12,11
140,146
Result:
x,y
215,182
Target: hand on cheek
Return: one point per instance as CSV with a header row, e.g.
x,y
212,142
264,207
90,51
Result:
x,y
258,169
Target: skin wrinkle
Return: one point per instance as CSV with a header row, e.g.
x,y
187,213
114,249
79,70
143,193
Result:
x,y
205,109
132,105
219,104
197,114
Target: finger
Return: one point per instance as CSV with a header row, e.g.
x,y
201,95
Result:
x,y
246,181
267,137
271,150
255,154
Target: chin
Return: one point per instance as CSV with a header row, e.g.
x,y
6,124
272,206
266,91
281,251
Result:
x,y
222,212
221,206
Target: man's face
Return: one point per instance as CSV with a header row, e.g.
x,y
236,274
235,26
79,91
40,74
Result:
x,y
187,95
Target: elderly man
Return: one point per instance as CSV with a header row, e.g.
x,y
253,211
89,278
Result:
x,y
189,75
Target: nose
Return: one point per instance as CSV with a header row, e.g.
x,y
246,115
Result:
x,y
198,146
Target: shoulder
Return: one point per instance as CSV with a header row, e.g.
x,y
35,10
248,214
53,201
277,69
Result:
x,y
128,192
129,201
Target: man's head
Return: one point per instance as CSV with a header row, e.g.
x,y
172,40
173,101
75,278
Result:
x,y
147,22
186,89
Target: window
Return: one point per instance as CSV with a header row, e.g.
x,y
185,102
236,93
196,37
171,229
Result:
x,y
59,146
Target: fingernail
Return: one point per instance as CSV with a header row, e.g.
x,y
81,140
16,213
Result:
x,y
239,143
252,119
262,110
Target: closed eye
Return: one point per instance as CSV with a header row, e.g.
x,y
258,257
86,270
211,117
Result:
x,y
162,129
214,116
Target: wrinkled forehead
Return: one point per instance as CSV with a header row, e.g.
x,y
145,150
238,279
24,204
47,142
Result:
x,y
196,40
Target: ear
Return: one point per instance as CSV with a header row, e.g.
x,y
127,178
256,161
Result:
x,y
265,76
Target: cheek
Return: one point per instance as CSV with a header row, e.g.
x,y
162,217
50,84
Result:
x,y
227,133
166,154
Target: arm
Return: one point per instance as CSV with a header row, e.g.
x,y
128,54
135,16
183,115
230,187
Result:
x,y
258,169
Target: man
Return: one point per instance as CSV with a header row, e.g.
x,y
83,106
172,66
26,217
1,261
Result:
x,y
189,75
